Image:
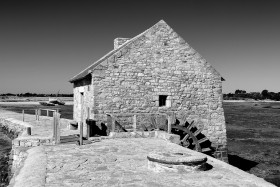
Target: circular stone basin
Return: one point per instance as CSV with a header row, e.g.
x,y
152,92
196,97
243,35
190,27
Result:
x,y
178,162
177,158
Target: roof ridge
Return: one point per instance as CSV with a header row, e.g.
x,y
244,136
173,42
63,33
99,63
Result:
x,y
86,71
112,52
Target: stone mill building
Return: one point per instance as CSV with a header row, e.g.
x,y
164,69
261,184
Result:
x,y
154,72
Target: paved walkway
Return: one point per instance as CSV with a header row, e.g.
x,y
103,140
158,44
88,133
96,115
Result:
x,y
41,128
114,162
123,162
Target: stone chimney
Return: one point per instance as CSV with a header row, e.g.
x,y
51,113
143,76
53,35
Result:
x,y
119,41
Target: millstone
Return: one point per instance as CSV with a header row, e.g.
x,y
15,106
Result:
x,y
176,162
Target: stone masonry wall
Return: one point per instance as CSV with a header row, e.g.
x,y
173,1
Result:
x,y
83,92
160,62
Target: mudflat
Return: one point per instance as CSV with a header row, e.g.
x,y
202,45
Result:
x,y
253,132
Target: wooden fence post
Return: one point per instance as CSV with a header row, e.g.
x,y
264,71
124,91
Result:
x,y
47,112
57,117
113,124
36,114
39,113
109,123
54,127
134,123
169,118
88,127
88,112
22,115
81,133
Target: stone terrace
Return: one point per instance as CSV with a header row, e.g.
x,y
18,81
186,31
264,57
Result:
x,y
113,162
123,162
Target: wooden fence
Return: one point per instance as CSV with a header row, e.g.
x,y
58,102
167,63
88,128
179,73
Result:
x,y
38,113
112,120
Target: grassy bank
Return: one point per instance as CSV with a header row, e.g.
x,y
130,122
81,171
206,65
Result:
x,y
253,131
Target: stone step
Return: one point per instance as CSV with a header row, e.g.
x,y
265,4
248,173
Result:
x,y
69,137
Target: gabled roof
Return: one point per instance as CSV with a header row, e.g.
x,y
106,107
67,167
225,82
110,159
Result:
x,y
85,72
89,69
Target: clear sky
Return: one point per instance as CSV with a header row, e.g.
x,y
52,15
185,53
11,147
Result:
x,y
45,43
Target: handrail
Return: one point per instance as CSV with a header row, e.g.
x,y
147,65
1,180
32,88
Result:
x,y
38,112
164,114
114,122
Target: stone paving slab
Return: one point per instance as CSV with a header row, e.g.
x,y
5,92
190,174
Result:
x,y
123,162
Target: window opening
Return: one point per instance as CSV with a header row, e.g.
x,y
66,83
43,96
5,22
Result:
x,y
162,100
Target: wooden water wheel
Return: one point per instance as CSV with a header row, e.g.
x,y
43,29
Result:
x,y
189,135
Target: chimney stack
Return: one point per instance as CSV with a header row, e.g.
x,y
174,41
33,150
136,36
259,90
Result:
x,y
119,41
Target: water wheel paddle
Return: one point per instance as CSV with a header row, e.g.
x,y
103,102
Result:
x,y
188,133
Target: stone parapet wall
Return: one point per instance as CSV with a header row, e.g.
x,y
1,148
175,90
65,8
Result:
x,y
17,157
14,127
32,141
17,131
173,138
21,142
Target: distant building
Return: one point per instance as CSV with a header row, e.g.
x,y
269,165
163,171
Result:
x,y
154,72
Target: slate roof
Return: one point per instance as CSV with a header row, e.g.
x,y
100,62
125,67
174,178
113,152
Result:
x,y
88,70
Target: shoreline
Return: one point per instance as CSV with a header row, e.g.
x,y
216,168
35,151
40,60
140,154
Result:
x,y
29,103
250,101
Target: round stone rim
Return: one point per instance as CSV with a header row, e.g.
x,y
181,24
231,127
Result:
x,y
177,158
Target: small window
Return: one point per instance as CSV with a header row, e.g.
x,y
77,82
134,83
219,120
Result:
x,y
162,100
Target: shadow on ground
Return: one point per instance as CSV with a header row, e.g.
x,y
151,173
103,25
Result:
x,y
274,179
241,163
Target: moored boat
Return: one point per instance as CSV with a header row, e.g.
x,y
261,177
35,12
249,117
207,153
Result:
x,y
46,103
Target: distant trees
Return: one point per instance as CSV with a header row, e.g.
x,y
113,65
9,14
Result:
x,y
240,91
242,94
8,94
265,94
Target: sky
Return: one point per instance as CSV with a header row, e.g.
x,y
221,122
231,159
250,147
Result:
x,y
45,43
